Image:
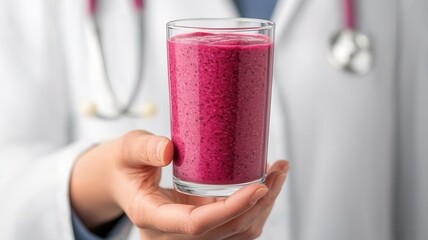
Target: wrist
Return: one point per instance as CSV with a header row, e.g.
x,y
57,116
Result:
x,y
91,194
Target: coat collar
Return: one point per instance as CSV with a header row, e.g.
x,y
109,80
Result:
x,y
284,14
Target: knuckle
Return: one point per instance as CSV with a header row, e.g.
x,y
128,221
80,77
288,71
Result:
x,y
150,148
127,140
142,152
143,145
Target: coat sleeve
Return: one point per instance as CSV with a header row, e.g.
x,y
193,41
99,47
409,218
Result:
x,y
35,195
37,150
35,199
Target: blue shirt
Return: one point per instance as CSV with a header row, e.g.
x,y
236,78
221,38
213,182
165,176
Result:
x,y
82,233
262,9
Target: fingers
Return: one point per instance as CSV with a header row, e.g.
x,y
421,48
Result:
x,y
141,148
280,166
192,220
254,220
243,226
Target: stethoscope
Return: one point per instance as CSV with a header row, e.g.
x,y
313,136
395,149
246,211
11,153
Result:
x,y
120,109
349,49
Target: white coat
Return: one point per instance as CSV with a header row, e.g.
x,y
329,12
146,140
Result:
x,y
357,145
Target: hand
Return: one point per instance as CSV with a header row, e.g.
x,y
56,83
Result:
x,y
124,175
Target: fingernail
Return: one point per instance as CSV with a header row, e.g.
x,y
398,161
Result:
x,y
258,194
160,149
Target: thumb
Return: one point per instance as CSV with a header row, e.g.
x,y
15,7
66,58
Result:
x,y
141,148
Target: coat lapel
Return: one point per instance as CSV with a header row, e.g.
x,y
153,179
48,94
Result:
x,y
283,15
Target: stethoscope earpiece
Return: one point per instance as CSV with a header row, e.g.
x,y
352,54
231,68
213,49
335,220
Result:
x,y
88,109
148,109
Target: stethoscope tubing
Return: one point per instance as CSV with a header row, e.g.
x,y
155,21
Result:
x,y
349,14
121,109
349,27
93,5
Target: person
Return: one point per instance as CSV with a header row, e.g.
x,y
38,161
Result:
x,y
356,143
64,181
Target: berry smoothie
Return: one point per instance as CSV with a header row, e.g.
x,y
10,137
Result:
x,y
220,87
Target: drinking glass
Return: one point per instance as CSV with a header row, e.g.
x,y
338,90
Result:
x,y
220,75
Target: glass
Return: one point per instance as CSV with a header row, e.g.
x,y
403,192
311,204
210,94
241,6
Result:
x,y
220,75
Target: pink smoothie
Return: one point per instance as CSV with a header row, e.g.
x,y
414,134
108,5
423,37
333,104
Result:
x,y
220,88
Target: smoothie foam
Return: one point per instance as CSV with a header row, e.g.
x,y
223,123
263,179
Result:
x,y
220,96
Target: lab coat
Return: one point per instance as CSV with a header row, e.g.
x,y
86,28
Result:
x,y
357,145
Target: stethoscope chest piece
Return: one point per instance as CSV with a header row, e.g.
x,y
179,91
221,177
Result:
x,y
351,51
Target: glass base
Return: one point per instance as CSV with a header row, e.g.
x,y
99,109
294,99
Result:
x,y
210,190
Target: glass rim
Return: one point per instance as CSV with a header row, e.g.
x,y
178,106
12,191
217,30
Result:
x,y
178,24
